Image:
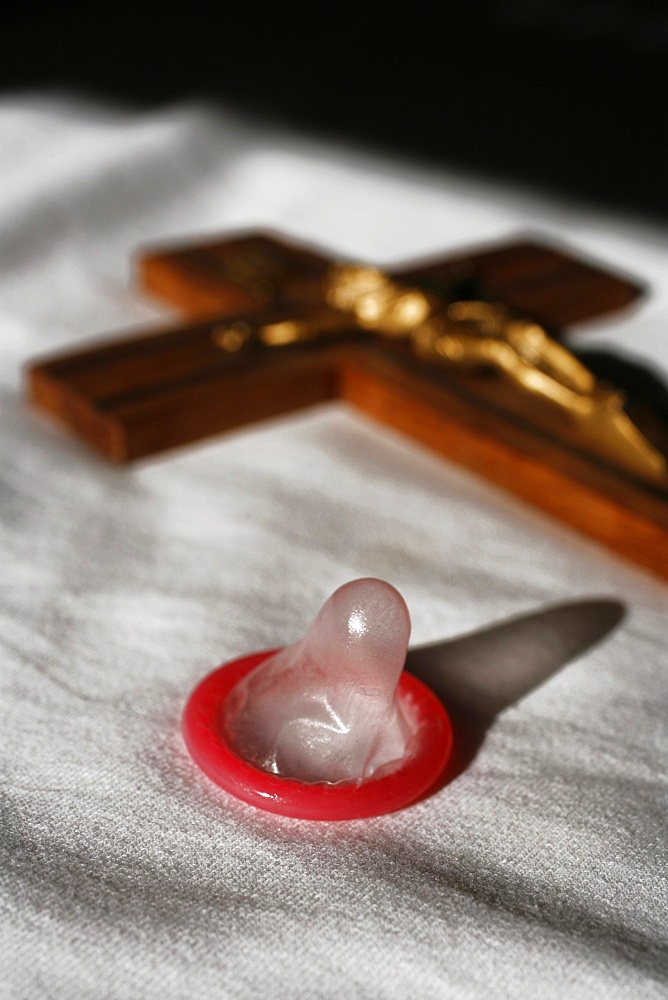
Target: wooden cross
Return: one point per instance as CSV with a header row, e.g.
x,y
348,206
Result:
x,y
146,393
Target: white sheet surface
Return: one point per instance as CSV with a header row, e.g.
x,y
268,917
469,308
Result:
x,y
539,871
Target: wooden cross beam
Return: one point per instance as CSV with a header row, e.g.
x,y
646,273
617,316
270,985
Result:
x,y
248,294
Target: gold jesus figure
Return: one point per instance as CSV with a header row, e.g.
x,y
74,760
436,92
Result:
x,y
470,337
473,336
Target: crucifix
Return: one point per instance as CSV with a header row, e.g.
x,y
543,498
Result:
x,y
460,353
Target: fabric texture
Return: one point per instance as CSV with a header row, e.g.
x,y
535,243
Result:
x,y
540,869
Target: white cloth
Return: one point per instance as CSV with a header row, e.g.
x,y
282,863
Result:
x,y
540,870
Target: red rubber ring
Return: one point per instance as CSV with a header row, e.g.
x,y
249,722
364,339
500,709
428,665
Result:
x,y
205,738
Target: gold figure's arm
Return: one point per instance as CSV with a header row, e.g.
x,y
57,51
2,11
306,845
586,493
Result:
x,y
242,335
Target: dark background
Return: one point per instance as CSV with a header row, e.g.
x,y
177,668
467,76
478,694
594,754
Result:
x,y
566,97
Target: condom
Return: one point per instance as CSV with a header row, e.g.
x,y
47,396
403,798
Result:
x,y
329,727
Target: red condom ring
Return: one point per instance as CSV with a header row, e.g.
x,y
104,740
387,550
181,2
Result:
x,y
206,740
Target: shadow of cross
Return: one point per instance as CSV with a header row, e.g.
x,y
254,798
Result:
x,y
275,326
479,675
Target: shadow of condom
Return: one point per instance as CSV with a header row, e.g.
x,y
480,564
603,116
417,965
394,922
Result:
x,y
479,675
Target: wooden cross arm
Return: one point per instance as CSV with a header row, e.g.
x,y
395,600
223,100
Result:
x,y
250,271
149,393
